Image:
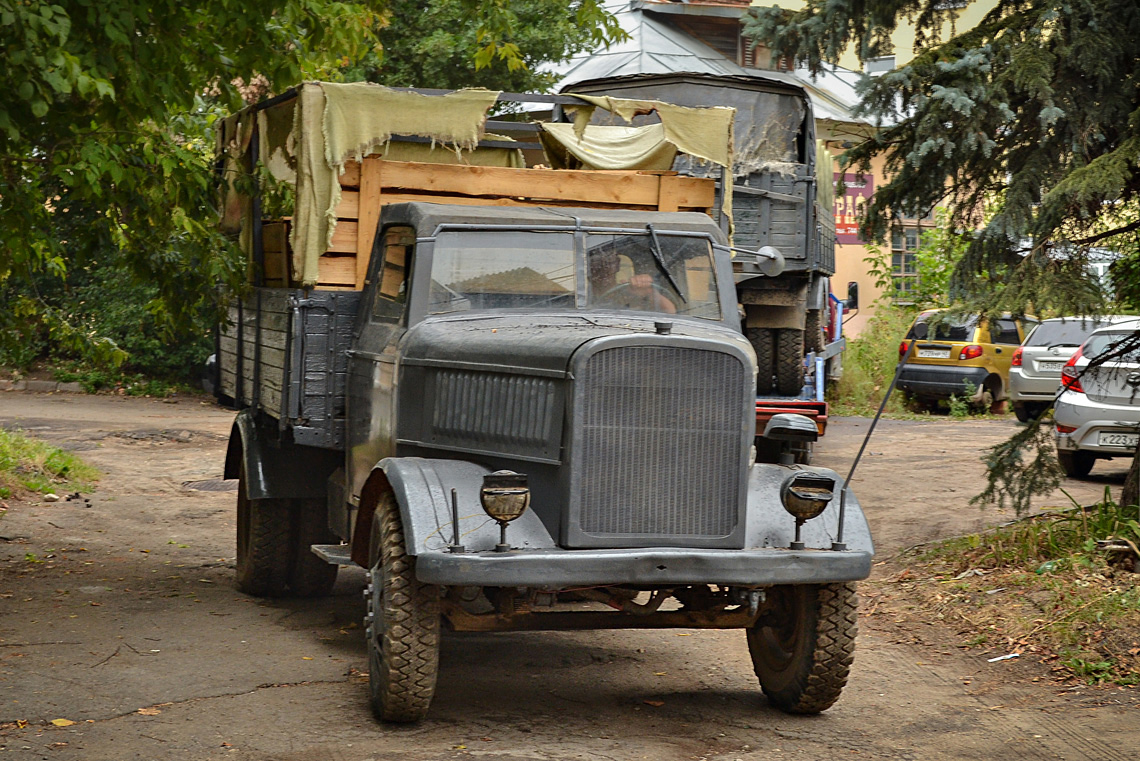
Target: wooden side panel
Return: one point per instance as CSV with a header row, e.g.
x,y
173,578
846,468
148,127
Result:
x,y
368,216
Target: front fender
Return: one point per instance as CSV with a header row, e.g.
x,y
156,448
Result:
x,y
422,488
770,525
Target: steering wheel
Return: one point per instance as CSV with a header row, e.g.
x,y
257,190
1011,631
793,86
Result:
x,y
627,286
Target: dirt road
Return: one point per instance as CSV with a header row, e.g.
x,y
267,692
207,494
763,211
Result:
x,y
127,603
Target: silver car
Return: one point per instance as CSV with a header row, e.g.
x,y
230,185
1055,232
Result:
x,y
1097,415
1035,370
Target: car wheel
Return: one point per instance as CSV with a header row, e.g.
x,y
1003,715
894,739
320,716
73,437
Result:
x,y
803,645
263,549
789,361
309,575
1021,412
813,330
1076,464
402,624
762,343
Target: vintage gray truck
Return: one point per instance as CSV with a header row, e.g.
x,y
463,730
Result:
x,y
536,411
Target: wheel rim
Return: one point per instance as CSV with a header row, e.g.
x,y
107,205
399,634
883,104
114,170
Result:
x,y
776,645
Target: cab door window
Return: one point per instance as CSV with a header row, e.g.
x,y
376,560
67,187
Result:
x,y
393,274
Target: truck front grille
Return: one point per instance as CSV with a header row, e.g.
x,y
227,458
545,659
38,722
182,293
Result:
x,y
658,439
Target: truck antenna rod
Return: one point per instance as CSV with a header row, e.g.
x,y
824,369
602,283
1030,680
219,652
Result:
x,y
919,331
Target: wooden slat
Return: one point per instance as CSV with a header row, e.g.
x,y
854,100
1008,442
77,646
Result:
x,y
269,355
390,197
632,187
369,215
349,205
337,270
344,237
351,176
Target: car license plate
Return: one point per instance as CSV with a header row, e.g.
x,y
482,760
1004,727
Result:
x,y
1050,367
1118,439
934,353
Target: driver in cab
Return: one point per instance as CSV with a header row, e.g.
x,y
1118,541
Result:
x,y
611,287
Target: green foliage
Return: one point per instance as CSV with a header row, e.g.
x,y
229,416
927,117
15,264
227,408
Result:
x,y
106,145
960,403
870,361
1036,107
33,465
442,44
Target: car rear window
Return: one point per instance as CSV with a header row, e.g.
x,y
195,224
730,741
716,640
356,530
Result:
x,y
951,329
1109,342
1062,332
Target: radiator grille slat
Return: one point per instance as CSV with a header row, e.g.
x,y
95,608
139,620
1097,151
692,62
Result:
x,y
493,409
659,438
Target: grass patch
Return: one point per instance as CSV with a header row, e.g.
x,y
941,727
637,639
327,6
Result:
x,y
31,465
1043,586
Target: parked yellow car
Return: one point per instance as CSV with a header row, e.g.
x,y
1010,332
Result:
x,y
962,356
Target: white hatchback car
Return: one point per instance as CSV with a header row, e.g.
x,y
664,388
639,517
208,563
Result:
x,y
1097,415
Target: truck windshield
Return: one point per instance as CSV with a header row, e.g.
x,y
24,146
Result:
x,y
652,273
520,269
502,269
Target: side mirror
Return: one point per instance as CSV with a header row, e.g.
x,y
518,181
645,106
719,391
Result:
x,y
852,296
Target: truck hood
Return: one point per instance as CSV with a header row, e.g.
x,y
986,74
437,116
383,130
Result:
x,y
536,343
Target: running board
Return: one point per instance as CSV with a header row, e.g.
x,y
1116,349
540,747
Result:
x,y
334,554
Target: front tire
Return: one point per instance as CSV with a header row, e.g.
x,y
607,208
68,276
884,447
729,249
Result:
x,y
402,625
802,648
263,550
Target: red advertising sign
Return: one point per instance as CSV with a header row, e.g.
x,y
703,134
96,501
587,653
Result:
x,y
849,206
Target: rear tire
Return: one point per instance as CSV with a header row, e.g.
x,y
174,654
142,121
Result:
x,y
310,576
762,343
402,625
1021,412
789,361
803,647
263,549
813,330
1076,464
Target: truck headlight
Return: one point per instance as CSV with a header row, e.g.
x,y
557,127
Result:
x,y
806,495
505,495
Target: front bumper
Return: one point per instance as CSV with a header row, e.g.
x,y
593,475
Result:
x,y
555,568
941,381
1090,420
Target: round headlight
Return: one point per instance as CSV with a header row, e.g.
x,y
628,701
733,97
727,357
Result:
x,y
505,495
806,495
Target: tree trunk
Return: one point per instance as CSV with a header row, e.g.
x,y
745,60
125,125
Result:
x,y
1131,494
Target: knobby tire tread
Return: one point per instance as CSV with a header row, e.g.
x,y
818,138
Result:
x,y
813,330
263,565
762,343
789,361
409,651
823,659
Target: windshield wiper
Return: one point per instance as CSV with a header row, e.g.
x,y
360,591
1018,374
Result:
x,y
656,251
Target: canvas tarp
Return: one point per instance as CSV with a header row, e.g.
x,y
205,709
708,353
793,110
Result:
x,y
705,134
605,147
337,122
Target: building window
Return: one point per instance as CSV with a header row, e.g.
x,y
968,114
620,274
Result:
x,y
877,66
904,273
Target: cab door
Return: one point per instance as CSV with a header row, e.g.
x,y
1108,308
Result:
x,y
372,377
